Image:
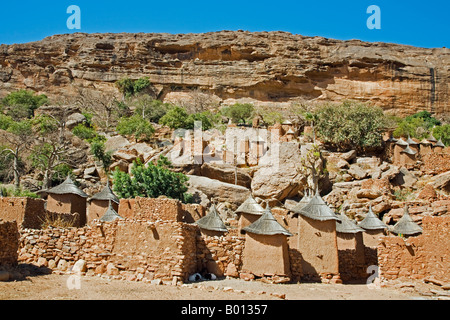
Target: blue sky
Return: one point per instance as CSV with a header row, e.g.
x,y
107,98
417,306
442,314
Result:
x,y
417,23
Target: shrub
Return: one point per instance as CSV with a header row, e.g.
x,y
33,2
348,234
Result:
x,y
417,125
151,181
85,133
175,118
21,104
137,126
350,125
239,112
130,87
443,133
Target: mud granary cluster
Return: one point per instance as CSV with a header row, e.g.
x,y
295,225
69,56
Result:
x,y
148,239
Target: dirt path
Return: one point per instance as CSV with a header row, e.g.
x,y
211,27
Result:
x,y
57,287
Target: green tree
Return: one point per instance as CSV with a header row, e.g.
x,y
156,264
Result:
x,y
137,126
350,125
239,112
151,181
21,104
129,87
175,118
100,154
418,125
150,109
443,133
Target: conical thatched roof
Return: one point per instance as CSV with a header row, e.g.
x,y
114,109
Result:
x,y
408,150
212,221
425,141
317,209
250,206
432,138
106,194
302,203
411,141
67,187
401,142
372,222
406,225
110,214
345,225
439,144
267,225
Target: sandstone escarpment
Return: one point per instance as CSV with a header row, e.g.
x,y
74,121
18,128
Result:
x,y
266,67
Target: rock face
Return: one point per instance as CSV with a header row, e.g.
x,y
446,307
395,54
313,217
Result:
x,y
264,67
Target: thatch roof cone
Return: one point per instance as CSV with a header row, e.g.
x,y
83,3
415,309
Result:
x,y
410,141
401,142
439,144
250,206
110,214
106,194
408,150
345,225
212,221
267,225
372,222
302,203
406,225
317,209
67,187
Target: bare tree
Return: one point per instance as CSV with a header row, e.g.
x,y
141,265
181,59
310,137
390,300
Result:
x,y
105,107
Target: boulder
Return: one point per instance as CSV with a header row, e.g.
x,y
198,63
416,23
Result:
x,y
226,173
348,156
404,178
368,193
74,119
221,191
357,172
442,181
115,143
278,176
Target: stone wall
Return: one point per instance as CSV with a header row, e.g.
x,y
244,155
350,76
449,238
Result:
x,y
9,242
220,255
131,249
27,212
418,257
154,209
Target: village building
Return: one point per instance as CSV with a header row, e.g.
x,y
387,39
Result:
x,y
400,145
425,147
351,249
100,203
67,198
266,252
438,147
413,144
248,212
408,157
373,227
110,214
406,226
314,228
212,224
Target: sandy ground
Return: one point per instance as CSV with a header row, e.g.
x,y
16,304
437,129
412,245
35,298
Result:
x,y
66,287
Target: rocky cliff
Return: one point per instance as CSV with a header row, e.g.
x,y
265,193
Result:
x,y
263,67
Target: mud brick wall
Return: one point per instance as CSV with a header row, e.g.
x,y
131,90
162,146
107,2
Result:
x,y
220,255
27,212
128,249
9,243
350,269
418,257
153,209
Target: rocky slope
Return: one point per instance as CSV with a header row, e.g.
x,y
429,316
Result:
x,y
264,67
